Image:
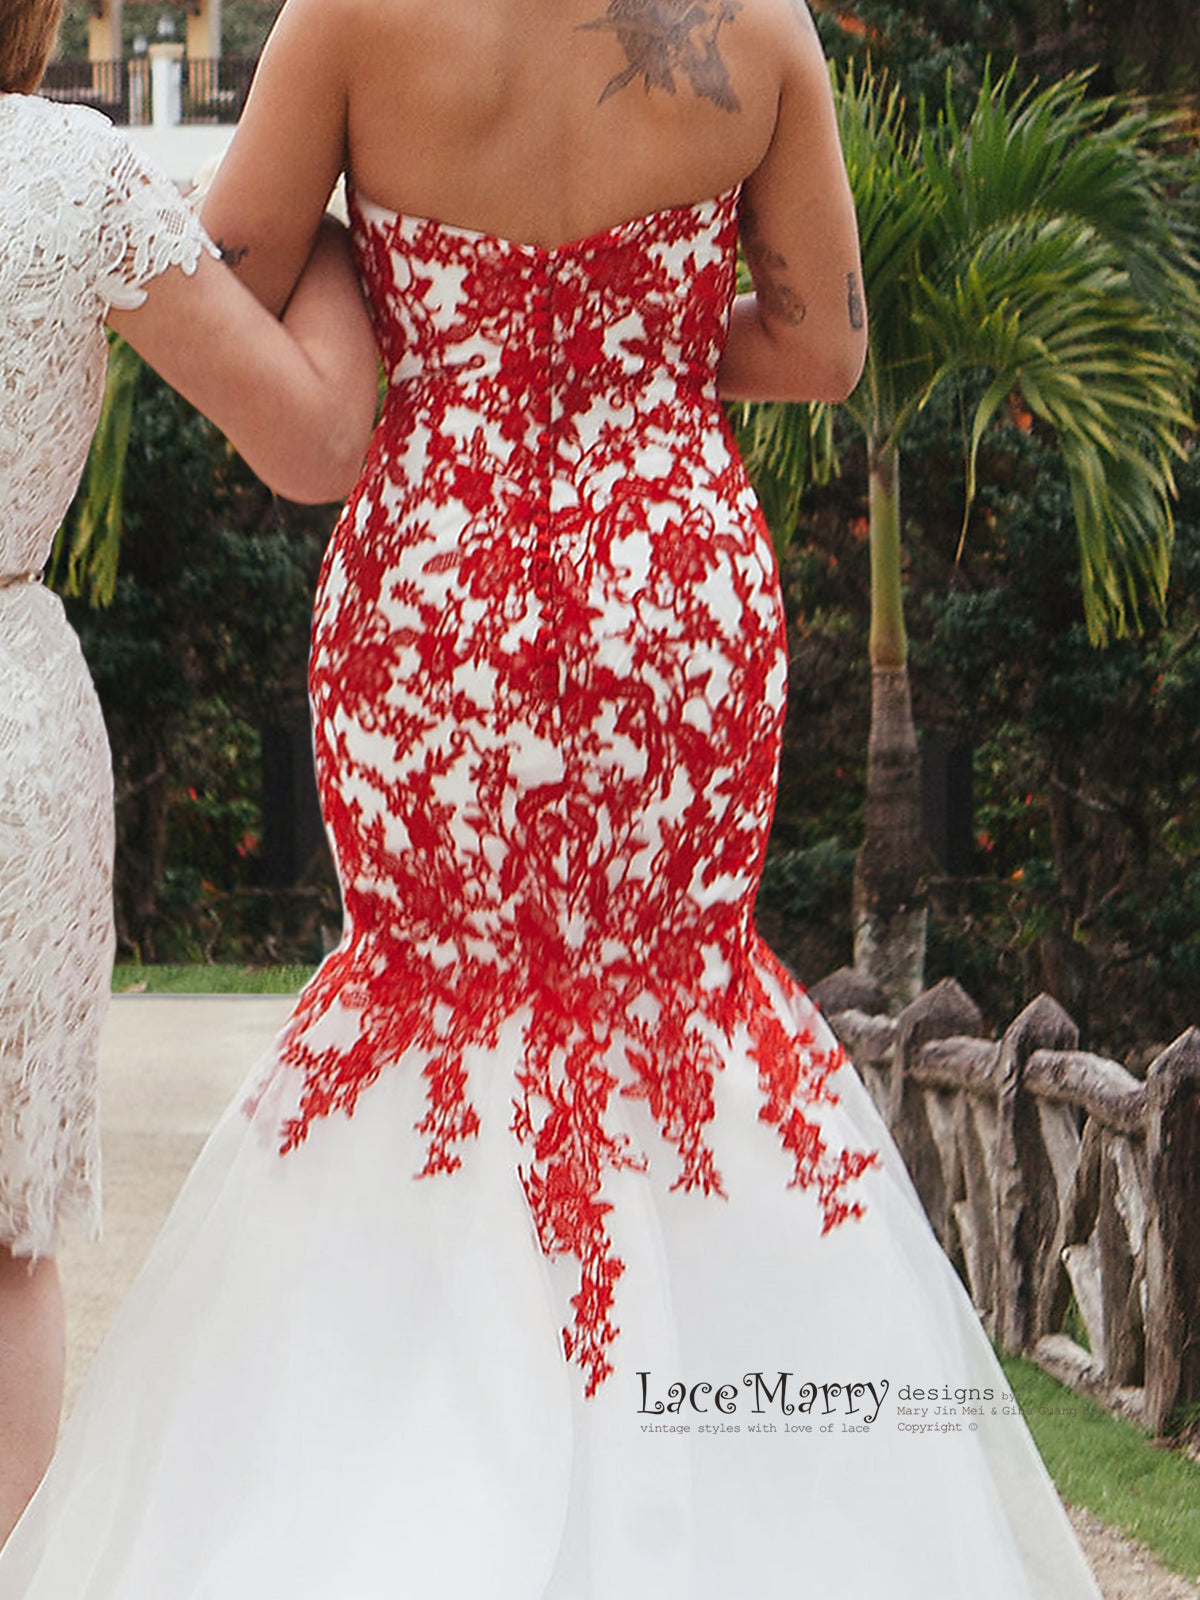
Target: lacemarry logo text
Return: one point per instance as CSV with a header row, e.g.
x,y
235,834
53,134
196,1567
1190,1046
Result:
x,y
809,1398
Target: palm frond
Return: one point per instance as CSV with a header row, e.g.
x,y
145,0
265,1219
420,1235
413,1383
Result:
x,y
1053,312
897,214
1054,153
87,547
1052,239
786,448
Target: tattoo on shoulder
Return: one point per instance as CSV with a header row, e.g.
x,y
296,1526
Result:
x,y
778,298
663,37
232,255
854,304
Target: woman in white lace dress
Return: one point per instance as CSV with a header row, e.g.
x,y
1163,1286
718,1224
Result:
x,y
90,234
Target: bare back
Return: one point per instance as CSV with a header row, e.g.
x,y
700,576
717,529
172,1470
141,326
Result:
x,y
544,121
548,122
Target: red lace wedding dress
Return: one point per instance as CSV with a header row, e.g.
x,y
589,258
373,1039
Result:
x,y
488,1284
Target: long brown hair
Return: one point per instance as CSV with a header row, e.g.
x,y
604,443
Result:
x,y
28,29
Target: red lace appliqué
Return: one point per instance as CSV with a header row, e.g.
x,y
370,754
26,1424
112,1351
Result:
x,y
547,679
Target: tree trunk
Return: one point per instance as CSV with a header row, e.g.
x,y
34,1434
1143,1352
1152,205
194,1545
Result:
x,y
141,861
889,908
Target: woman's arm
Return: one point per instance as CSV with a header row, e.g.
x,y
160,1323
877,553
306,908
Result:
x,y
802,334
272,187
296,398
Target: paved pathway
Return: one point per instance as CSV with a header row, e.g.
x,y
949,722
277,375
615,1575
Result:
x,y
169,1066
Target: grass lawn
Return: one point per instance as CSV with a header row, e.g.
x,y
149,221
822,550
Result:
x,y
1113,1469
128,979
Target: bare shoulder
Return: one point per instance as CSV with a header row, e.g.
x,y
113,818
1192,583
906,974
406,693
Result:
x,y
787,25
407,30
800,45
787,30
321,30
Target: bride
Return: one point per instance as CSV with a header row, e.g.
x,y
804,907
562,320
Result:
x,y
554,1252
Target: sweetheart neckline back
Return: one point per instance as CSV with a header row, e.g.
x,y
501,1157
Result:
x,y
387,215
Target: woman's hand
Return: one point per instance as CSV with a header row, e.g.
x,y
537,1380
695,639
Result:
x,y
295,397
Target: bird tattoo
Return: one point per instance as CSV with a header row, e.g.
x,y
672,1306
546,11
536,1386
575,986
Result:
x,y
661,38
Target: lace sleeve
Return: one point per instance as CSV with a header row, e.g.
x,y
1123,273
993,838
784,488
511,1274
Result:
x,y
146,226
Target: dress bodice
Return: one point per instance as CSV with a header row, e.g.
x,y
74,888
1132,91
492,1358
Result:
x,y
644,302
552,458
85,224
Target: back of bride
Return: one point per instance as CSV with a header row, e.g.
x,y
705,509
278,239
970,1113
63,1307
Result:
x,y
554,1252
543,123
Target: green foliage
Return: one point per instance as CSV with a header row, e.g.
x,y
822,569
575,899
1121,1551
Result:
x,y
73,33
1087,773
1086,879
1043,241
1150,48
1047,239
245,26
921,47
812,882
1074,284
87,550
803,906
784,462
204,643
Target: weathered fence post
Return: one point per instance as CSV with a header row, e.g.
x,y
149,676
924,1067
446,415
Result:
x,y
1173,1236
1043,1025
914,1113
938,1013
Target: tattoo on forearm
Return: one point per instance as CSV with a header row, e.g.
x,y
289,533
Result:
x,y
777,297
854,305
663,37
232,255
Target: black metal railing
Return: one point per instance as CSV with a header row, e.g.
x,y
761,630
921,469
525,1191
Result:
x,y
104,84
215,89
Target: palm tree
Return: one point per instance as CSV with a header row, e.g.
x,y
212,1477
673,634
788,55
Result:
x,y
1038,241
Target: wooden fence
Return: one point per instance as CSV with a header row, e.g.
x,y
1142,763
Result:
x,y
1051,1175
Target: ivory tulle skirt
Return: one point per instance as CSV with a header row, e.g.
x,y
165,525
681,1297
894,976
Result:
x,y
335,1381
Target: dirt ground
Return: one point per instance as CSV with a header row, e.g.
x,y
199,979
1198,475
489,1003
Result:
x,y
1124,1569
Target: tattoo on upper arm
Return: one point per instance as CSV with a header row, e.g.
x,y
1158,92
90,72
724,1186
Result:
x,y
662,37
232,255
777,297
854,304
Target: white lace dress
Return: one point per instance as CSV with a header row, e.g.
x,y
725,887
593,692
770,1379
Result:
x,y
85,225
